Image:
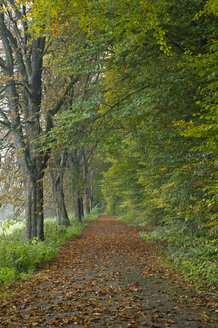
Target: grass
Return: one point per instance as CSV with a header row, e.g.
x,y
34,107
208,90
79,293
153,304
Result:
x,y
19,259
11,226
193,255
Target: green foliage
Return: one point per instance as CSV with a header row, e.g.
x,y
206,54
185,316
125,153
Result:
x,y
93,215
56,235
156,168
7,295
152,112
8,275
132,218
193,255
203,126
13,226
19,258
24,257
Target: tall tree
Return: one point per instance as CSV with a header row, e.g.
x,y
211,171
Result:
x,y
21,65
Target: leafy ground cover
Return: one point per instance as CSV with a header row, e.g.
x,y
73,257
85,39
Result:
x,y
194,257
19,258
193,254
109,277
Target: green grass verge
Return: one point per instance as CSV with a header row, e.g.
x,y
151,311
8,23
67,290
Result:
x,y
193,256
19,259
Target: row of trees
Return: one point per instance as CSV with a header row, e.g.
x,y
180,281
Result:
x,y
166,136
132,83
33,92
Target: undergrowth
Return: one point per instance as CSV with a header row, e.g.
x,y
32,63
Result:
x,y
20,258
194,255
132,218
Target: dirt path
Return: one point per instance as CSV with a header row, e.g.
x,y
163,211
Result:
x,y
109,277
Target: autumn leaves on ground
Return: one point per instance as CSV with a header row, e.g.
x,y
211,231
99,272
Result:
x,y
109,277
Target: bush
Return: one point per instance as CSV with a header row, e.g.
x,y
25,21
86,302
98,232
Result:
x,y
19,258
56,235
95,213
132,218
8,275
25,257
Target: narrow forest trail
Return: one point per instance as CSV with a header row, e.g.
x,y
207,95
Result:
x,y
109,277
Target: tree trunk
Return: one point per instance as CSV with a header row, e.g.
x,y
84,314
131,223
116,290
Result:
x,y
57,180
58,196
34,207
87,176
87,201
80,208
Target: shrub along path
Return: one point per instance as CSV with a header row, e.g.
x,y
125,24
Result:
x,y
108,277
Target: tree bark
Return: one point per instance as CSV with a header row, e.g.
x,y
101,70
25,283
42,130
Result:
x,y
88,180
82,179
58,196
80,208
34,207
87,203
57,179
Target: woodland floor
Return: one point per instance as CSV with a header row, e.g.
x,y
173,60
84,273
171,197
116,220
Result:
x,y
108,277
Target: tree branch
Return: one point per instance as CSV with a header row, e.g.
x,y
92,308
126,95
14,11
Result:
x,y
119,102
17,50
58,106
2,113
6,45
3,64
7,125
17,12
